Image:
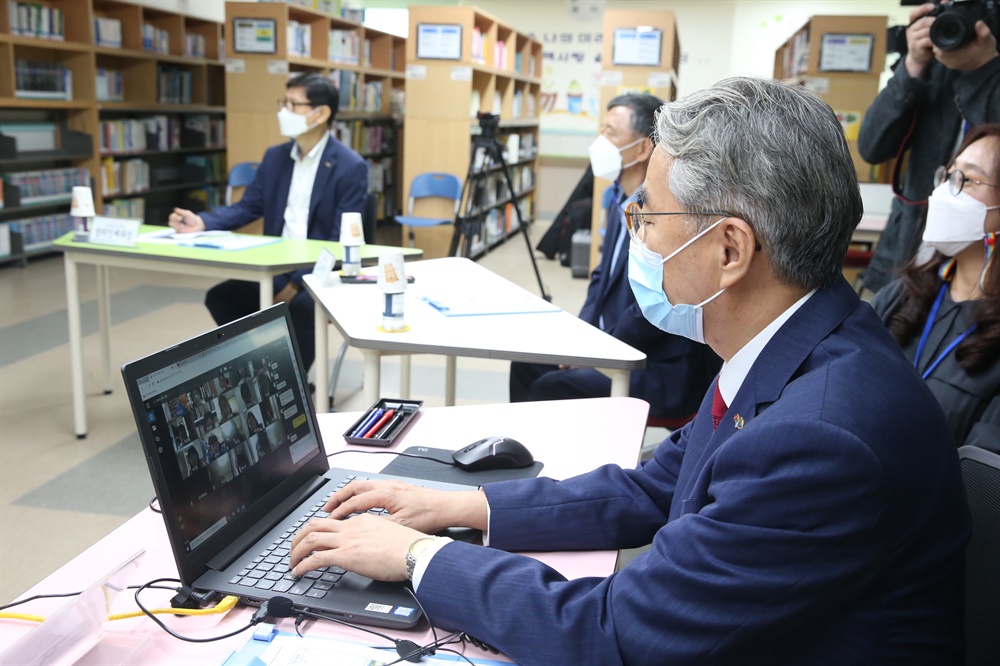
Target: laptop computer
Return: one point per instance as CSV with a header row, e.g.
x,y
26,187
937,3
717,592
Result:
x,y
230,437
71,634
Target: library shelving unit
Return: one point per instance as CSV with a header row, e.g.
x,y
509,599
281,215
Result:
x,y
631,64
122,97
841,59
366,65
485,66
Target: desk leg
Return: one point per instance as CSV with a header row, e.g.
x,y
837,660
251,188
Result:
x,y
405,370
75,346
619,383
322,362
104,314
266,292
450,364
373,370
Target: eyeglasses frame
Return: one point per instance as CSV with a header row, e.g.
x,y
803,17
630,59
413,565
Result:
x,y
636,230
942,175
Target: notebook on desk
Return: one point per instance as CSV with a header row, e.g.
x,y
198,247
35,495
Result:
x,y
236,458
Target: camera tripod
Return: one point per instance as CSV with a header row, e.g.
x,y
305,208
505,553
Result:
x,y
471,220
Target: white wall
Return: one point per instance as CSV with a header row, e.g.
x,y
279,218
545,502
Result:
x,y
211,10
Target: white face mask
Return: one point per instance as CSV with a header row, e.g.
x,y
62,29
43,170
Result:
x,y
954,222
291,124
606,158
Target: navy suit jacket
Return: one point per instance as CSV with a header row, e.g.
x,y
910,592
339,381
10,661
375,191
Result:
x,y
677,369
341,186
825,525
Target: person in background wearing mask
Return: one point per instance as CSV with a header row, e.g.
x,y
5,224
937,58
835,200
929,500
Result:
x,y
677,370
945,313
931,99
301,189
814,507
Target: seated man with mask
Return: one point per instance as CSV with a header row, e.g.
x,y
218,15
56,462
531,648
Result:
x,y
301,190
812,513
677,370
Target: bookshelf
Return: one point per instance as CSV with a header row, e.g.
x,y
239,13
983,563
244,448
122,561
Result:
x,y
88,90
366,65
488,67
841,59
619,75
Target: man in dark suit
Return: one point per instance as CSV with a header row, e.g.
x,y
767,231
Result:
x,y
677,370
812,513
301,189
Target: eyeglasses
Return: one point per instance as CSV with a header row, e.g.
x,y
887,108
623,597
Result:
x,y
956,180
636,220
290,105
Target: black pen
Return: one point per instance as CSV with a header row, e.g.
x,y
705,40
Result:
x,y
387,428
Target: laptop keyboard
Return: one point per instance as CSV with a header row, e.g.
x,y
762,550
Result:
x,y
270,570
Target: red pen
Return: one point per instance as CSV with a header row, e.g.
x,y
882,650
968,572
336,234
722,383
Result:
x,y
378,424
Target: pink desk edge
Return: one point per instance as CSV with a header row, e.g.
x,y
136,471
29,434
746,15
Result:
x,y
569,437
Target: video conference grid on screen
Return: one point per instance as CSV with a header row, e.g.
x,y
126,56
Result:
x,y
229,423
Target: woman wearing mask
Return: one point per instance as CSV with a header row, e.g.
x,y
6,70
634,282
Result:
x,y
945,313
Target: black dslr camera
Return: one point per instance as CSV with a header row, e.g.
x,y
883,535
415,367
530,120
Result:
x,y
955,22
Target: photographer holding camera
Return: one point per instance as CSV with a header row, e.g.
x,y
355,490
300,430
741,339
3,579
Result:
x,y
948,81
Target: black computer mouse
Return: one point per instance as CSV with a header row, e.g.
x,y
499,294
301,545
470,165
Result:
x,y
493,453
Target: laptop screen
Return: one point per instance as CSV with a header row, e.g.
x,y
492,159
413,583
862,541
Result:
x,y
229,423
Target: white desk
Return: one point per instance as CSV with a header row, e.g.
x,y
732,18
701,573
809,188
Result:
x,y
544,337
570,437
258,264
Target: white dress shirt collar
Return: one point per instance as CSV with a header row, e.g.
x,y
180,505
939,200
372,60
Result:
x,y
738,367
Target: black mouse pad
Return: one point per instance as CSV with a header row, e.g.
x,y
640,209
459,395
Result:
x,y
433,471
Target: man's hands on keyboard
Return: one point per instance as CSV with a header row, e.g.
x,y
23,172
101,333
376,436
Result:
x,y
376,545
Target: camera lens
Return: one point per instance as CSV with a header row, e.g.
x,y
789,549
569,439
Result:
x,y
952,30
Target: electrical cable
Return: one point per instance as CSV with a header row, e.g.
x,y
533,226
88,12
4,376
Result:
x,y
155,509
60,595
173,633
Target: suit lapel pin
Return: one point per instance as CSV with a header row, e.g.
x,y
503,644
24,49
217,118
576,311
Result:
x,y
328,164
738,422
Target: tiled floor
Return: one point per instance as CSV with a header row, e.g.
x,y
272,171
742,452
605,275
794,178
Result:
x,y
58,495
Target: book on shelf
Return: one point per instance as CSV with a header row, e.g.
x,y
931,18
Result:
x,y
173,85
31,137
5,248
123,176
33,19
39,232
299,37
110,85
194,45
372,97
134,209
344,47
478,49
107,32
47,185
154,39
347,85
42,80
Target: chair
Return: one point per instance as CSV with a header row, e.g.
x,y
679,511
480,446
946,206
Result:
x,y
856,261
240,175
431,185
981,473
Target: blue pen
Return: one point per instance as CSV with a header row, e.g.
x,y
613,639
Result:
x,y
367,423
440,307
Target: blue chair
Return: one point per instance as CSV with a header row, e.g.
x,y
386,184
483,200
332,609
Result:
x,y
240,175
431,185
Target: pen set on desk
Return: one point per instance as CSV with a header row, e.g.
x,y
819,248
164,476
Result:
x,y
383,422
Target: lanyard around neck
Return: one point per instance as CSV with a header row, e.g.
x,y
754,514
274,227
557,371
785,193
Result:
x,y
927,332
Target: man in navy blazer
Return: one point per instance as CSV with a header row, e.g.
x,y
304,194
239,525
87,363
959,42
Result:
x,y
677,370
812,513
302,188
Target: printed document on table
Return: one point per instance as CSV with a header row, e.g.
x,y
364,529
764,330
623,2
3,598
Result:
x,y
171,237
466,301
288,650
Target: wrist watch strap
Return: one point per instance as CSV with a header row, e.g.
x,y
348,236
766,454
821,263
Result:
x,y
416,549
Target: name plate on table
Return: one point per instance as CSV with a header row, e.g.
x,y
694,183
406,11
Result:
x,y
114,231
323,270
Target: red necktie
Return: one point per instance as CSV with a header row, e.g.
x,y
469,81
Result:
x,y
719,407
